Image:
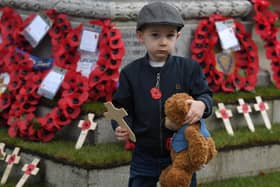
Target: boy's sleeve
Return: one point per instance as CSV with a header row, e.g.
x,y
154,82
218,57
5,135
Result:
x,y
200,89
123,99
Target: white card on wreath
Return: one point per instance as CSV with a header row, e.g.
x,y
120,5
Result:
x,y
227,35
89,38
52,82
87,63
37,29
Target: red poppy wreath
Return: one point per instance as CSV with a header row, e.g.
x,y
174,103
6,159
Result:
x,y
225,72
18,105
265,20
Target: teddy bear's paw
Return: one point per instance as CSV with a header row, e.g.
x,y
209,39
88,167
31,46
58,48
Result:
x,y
212,151
175,178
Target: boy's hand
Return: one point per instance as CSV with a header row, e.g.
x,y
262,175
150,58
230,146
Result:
x,y
121,134
196,111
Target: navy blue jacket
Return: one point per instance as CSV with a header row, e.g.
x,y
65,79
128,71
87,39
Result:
x,y
145,114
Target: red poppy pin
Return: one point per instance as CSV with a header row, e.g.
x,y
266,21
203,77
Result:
x,y
155,93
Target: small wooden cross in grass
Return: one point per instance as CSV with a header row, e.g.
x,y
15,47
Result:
x,y
85,125
11,160
225,114
28,169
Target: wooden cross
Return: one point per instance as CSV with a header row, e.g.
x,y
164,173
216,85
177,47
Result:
x,y
11,160
263,107
2,152
118,114
28,169
225,114
85,125
246,109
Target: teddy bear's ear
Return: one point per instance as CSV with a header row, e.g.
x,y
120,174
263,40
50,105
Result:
x,y
182,106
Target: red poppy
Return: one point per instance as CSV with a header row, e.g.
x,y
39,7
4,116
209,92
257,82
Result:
x,y
15,109
117,53
224,113
22,126
76,99
218,77
249,83
29,169
5,101
12,158
45,135
155,93
13,131
245,108
129,145
70,62
48,122
70,112
86,125
74,36
95,77
114,64
55,32
239,81
228,84
115,39
32,132
198,46
262,25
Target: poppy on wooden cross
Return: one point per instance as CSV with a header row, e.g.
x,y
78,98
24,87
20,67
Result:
x,y
246,109
225,114
85,125
11,160
28,169
263,107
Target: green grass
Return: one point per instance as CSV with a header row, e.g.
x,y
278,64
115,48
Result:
x,y
100,155
263,180
113,154
242,136
268,92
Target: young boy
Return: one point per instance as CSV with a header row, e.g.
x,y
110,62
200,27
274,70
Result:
x,y
147,82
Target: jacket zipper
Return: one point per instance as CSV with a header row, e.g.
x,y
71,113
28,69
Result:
x,y
160,123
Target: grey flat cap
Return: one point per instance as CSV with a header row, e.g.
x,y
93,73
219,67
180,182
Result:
x,y
159,13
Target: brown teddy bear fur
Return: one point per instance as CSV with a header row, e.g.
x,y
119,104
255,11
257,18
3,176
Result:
x,y
200,149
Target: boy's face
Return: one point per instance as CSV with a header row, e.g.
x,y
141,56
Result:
x,y
159,40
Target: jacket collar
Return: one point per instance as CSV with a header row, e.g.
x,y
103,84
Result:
x,y
156,69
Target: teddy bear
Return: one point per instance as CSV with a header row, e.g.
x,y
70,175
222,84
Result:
x,y
195,150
